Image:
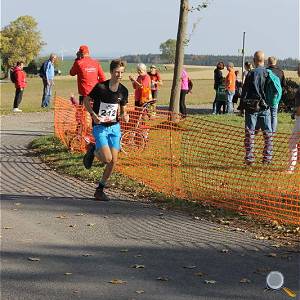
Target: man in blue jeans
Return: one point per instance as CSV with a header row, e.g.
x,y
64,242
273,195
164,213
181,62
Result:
x,y
257,112
48,80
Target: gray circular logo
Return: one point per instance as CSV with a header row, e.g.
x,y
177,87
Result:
x,y
275,280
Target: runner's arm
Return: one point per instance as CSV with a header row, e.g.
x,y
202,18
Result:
x,y
123,113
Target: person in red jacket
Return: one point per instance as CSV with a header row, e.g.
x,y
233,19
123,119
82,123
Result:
x,y
89,72
20,84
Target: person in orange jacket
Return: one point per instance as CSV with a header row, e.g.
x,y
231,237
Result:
x,y
230,87
20,83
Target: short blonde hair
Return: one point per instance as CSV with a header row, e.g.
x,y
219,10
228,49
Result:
x,y
272,61
141,67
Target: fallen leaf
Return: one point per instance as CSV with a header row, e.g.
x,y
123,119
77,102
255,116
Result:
x,y
200,274
262,271
62,217
136,266
117,281
196,218
138,255
272,255
80,214
34,259
18,203
140,292
90,224
224,250
161,214
7,227
245,280
190,267
68,273
209,281
124,250
72,225
162,278
86,254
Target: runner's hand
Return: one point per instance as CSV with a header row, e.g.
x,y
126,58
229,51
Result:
x,y
125,118
96,119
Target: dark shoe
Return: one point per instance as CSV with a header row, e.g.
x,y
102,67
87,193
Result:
x,y
100,195
89,156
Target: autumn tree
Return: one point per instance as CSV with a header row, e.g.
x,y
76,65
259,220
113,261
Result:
x,y
168,50
20,40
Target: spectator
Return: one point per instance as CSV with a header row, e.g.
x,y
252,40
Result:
x,y
218,80
184,90
20,84
155,81
48,80
230,87
295,137
141,85
248,67
272,61
89,72
257,112
238,88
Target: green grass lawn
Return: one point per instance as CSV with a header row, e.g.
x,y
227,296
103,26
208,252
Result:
x,y
203,92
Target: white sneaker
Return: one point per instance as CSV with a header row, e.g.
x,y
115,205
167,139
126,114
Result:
x,y
17,110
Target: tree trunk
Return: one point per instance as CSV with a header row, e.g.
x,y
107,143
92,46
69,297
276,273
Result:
x,y
179,58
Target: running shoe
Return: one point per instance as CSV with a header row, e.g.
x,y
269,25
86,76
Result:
x,y
100,195
89,156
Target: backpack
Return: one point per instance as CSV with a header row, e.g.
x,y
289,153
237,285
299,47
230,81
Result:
x,y
13,75
221,93
42,71
273,89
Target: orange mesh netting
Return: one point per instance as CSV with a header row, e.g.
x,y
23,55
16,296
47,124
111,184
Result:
x,y
195,159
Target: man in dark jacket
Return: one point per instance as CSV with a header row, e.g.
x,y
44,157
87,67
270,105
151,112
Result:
x,y
272,61
218,80
257,113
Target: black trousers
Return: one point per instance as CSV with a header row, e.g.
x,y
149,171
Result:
x,y
182,106
18,97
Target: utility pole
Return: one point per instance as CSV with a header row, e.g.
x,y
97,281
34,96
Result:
x,y
243,53
179,58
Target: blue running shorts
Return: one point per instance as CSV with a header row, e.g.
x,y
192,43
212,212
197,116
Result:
x,y
107,136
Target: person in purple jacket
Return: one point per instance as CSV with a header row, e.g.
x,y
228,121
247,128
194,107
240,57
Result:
x,y
184,90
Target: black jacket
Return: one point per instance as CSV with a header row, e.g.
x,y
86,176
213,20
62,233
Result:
x,y
218,77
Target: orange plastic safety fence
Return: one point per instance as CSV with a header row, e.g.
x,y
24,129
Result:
x,y
197,159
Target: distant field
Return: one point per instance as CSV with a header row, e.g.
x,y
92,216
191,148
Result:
x,y
203,92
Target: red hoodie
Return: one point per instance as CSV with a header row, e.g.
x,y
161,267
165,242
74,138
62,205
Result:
x,y
20,78
89,73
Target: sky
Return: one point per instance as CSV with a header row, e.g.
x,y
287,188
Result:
x,y
119,27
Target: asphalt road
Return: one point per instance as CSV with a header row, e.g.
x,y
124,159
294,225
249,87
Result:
x,y
57,243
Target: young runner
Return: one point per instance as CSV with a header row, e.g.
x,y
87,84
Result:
x,y
110,99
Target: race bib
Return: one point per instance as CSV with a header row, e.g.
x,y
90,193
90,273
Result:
x,y
108,112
